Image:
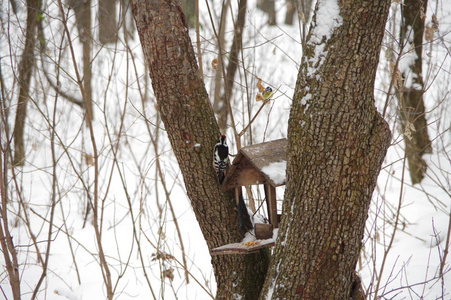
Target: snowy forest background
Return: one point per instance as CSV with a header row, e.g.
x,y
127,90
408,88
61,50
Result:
x,y
142,228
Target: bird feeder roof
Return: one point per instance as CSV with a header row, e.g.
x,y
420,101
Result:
x,y
258,164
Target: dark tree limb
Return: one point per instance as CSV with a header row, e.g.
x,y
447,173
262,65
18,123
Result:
x,y
25,70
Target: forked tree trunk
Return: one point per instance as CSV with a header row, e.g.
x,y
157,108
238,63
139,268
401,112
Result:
x,y
193,131
411,102
337,143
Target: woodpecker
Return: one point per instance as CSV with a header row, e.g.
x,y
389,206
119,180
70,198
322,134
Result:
x,y
220,157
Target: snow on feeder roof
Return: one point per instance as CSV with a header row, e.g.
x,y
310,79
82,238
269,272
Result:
x,y
258,164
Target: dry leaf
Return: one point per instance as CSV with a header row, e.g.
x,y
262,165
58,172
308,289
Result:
x,y
214,64
161,255
301,16
409,130
435,22
259,97
89,159
429,35
161,234
169,273
259,85
422,14
399,82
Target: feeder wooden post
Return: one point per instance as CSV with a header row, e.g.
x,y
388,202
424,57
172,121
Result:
x,y
237,195
270,193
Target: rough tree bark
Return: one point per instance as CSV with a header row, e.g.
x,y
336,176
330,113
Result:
x,y
337,143
193,131
411,102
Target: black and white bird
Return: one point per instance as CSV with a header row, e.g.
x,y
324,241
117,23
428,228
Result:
x,y
220,157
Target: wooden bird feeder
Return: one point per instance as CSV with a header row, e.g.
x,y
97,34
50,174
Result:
x,y
264,164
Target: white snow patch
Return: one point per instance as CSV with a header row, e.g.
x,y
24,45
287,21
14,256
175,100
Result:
x,y
257,218
68,294
406,62
407,59
272,285
276,171
248,237
306,98
327,19
270,291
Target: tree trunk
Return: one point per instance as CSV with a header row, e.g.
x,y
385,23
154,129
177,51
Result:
x,y
232,67
268,6
193,131
189,12
291,10
82,11
107,21
337,143
411,103
25,71
219,105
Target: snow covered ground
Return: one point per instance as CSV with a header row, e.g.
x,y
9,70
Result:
x,y
405,258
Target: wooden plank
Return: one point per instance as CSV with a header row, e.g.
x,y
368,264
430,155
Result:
x,y
243,248
237,195
272,148
247,166
264,154
271,202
